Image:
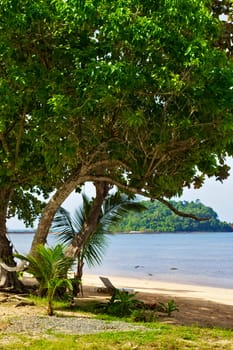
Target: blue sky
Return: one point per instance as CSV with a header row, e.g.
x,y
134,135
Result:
x,y
214,194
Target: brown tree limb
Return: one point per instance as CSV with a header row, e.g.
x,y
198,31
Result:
x,y
180,213
135,190
19,136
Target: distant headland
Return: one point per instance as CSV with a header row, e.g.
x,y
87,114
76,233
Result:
x,y
159,218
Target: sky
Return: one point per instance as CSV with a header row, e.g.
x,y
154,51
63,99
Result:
x,y
214,194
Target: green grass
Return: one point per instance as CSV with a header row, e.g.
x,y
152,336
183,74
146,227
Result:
x,y
58,304
155,336
158,336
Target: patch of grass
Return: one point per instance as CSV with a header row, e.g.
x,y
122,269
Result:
x,y
40,301
158,336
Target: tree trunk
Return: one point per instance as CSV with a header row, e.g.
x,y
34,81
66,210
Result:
x,y
50,311
56,201
49,211
78,276
80,264
92,220
8,279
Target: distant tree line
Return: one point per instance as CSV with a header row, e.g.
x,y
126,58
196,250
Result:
x,y
158,218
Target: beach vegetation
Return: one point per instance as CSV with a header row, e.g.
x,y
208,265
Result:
x,y
119,93
122,304
50,267
126,305
168,307
144,315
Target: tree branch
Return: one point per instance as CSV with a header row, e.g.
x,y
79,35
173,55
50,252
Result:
x,y
4,143
145,194
19,136
180,213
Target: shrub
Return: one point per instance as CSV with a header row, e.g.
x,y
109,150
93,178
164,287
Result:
x,y
168,308
143,315
122,304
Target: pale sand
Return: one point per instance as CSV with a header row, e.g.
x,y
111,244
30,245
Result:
x,y
218,295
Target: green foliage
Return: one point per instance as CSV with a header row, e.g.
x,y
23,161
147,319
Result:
x,y
126,90
168,307
121,303
126,81
159,218
144,315
68,226
159,336
49,267
124,304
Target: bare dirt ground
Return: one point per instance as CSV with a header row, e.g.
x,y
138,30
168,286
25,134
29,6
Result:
x,y
195,311
192,311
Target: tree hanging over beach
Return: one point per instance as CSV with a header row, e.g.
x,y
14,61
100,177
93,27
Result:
x,y
122,93
153,83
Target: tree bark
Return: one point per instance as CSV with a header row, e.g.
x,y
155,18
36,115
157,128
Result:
x,y
80,177
8,279
49,211
55,202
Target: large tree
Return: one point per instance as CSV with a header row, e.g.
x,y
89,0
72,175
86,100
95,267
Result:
x,y
153,81
122,92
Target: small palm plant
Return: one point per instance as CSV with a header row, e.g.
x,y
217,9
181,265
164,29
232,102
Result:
x,y
121,303
92,252
49,266
169,307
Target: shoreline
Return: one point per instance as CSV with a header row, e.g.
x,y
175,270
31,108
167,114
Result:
x,y
214,294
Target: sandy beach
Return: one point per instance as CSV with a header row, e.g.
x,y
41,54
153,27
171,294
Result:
x,y
198,305
218,295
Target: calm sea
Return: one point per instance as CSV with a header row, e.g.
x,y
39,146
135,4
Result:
x,y
192,258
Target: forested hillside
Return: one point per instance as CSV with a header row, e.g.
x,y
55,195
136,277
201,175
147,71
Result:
x,y
158,218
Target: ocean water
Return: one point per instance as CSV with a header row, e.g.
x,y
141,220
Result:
x,y
191,258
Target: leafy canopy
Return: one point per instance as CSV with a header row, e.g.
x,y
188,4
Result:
x,y
125,90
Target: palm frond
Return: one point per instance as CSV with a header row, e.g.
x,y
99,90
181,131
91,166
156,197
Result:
x,y
115,207
63,226
49,263
94,249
